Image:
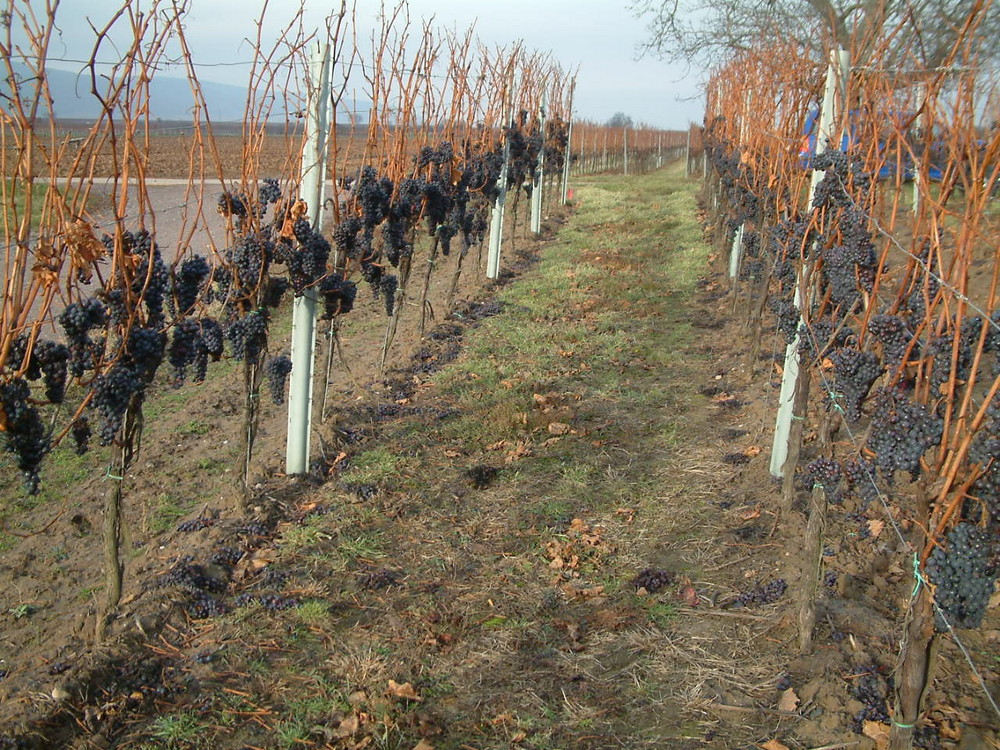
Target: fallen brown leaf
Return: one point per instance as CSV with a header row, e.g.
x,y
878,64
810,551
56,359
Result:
x,y
773,745
788,701
404,691
877,731
423,745
689,596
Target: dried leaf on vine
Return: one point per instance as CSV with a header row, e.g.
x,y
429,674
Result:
x,y
46,262
84,247
295,212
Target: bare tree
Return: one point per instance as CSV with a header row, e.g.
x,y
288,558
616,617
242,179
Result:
x,y
925,31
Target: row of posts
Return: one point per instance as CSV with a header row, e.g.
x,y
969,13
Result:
x,y
313,184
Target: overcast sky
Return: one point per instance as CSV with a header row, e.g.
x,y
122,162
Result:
x,y
599,36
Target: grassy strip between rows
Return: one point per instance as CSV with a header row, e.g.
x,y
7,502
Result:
x,y
489,563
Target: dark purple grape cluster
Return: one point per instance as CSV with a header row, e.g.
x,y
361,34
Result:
x,y
274,290
653,579
861,478
80,431
816,337
397,247
374,195
52,359
248,262
867,686
188,283
825,472
228,556
277,369
191,577
269,192
338,295
379,579
212,338
843,174
248,336
482,476
893,334
901,432
185,347
113,391
948,354
150,280
253,529
270,602
78,319
24,434
307,263
345,236
765,593
786,316
195,524
854,373
144,351
116,305
839,274
202,606
387,287
963,575
233,205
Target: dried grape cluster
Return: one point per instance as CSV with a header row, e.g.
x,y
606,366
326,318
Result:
x,y
766,593
190,577
195,524
233,205
963,575
869,688
270,602
653,579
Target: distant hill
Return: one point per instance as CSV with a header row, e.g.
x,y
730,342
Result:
x,y
170,98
